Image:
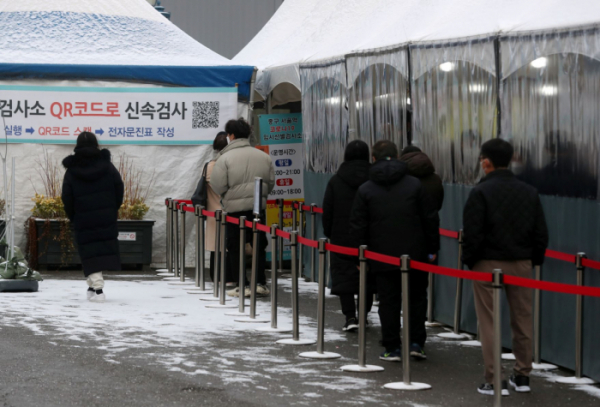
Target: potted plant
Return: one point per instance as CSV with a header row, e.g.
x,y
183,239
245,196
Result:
x,y
49,232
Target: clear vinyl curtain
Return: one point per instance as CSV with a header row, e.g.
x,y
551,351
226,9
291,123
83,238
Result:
x,y
454,100
378,93
551,109
324,115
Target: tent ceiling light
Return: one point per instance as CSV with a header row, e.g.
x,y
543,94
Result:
x,y
549,90
408,101
447,66
477,88
539,63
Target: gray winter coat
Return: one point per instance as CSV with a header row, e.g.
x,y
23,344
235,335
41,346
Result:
x,y
233,175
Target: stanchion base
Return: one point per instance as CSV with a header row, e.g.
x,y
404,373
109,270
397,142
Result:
x,y
452,335
471,343
181,283
238,314
574,380
317,355
543,366
299,342
206,289
431,324
268,329
198,292
224,306
411,386
165,274
249,320
362,369
210,299
172,278
161,270
508,356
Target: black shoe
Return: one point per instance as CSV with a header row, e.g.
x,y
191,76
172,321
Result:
x,y
351,324
417,352
520,383
488,389
391,355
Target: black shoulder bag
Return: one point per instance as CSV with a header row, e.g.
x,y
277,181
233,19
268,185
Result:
x,y
200,196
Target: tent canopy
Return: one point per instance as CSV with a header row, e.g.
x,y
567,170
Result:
x,y
107,40
305,31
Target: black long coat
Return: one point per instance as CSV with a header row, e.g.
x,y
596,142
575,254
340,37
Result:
x,y
92,194
337,206
393,215
420,166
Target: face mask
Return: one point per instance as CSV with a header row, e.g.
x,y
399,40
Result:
x,y
228,141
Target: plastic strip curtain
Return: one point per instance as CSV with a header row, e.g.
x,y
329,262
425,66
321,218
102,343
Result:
x,y
324,115
551,109
454,101
378,92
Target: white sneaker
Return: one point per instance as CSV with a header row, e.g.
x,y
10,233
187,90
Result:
x,y
262,290
236,292
90,293
97,297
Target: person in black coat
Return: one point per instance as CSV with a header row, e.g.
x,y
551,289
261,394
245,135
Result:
x,y
393,215
420,166
337,206
92,194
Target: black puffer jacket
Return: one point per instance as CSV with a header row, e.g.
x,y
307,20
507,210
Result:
x,y
393,215
337,207
92,194
420,166
504,220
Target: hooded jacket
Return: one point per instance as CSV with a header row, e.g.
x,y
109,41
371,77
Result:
x,y
420,166
234,172
394,216
92,194
337,207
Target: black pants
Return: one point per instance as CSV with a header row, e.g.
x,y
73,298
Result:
x,y
349,307
389,288
229,276
233,247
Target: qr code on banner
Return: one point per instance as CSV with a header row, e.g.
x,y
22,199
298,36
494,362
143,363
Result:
x,y
205,115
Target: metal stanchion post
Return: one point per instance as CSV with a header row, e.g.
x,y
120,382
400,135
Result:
x,y
216,264
181,252
362,321
497,288
537,357
167,240
255,254
281,204
176,237
313,236
406,383
320,353
430,322
458,299
301,219
295,339
223,259
578,378
200,285
172,256
241,312
274,250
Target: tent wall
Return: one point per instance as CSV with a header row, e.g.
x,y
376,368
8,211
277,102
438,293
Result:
x,y
467,91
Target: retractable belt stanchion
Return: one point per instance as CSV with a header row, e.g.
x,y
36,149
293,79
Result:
x,y
182,281
165,271
295,339
216,264
362,321
281,204
223,259
406,383
313,236
578,378
320,353
274,250
200,287
172,246
176,246
253,314
458,299
301,219
497,288
241,312
430,322
537,357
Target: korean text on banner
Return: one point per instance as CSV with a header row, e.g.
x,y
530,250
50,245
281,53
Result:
x,y
146,116
281,138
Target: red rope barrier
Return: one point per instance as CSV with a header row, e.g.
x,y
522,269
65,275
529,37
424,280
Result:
x,y
593,264
230,219
307,242
447,271
248,224
382,258
283,234
348,251
208,214
554,287
560,256
263,228
189,208
449,233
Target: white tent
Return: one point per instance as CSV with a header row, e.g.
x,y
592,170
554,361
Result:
x,y
109,43
307,31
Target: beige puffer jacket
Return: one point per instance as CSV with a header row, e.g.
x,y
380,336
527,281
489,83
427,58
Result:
x,y
234,172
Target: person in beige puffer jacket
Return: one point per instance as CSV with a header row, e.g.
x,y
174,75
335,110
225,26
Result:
x,y
233,177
